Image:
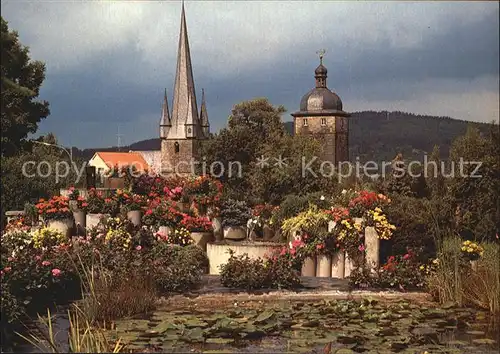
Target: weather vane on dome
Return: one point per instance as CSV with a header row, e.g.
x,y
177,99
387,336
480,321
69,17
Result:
x,y
321,54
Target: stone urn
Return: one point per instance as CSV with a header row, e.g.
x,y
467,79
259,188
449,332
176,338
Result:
x,y
217,227
324,266
93,219
62,225
135,216
309,267
236,233
202,238
80,221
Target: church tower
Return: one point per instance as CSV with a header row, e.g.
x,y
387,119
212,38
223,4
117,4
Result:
x,y
182,131
321,116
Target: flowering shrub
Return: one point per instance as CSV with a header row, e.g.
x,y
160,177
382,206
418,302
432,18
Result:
x,y
196,224
17,224
165,213
130,201
472,250
363,201
180,237
46,237
55,208
203,191
377,218
400,272
95,202
242,272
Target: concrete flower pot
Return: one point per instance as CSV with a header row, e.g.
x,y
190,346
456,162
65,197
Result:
x,y
164,230
309,267
235,232
62,225
80,222
135,216
338,265
323,266
217,227
93,219
201,239
267,232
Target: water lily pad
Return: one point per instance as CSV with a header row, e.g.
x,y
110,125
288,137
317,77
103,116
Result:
x,y
219,340
475,333
486,341
264,316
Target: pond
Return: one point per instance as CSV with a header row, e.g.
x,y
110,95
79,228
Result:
x,y
334,326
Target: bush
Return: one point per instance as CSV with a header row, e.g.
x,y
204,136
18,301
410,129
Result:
x,y
242,272
235,213
176,268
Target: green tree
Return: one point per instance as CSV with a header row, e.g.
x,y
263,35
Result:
x,y
21,79
474,189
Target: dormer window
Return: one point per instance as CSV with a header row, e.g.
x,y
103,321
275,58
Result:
x,y
323,121
305,122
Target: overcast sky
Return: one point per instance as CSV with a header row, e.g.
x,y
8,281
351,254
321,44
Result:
x,y
109,62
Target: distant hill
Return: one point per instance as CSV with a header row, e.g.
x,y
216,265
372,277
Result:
x,y
373,135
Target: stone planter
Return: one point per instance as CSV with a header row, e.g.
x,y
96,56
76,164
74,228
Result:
x,y
217,226
323,266
201,239
349,266
267,232
164,230
93,219
309,267
473,265
80,222
338,265
235,232
135,216
372,247
62,225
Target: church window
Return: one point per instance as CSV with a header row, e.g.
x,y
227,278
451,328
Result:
x,y
323,121
176,147
305,122
189,130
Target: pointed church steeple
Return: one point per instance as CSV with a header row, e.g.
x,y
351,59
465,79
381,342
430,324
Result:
x,y
165,122
185,122
205,125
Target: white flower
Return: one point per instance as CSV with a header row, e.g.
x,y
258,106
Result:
x,y
21,247
255,221
344,191
290,244
322,197
13,254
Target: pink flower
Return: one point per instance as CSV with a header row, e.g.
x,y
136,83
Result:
x,y
138,248
46,263
406,256
7,269
37,258
10,259
56,272
361,248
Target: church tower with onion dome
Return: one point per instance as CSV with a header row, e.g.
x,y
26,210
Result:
x,y
321,115
183,129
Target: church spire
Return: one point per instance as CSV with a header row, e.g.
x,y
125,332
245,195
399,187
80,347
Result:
x,y
205,125
165,122
185,122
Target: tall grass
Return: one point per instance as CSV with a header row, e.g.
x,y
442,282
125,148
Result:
x,y
109,295
455,280
83,337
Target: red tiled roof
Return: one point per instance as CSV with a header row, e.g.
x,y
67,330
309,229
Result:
x,y
124,159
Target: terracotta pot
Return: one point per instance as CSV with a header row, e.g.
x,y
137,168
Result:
x,y
93,219
135,216
201,239
217,226
338,265
80,222
323,266
309,267
235,232
62,225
